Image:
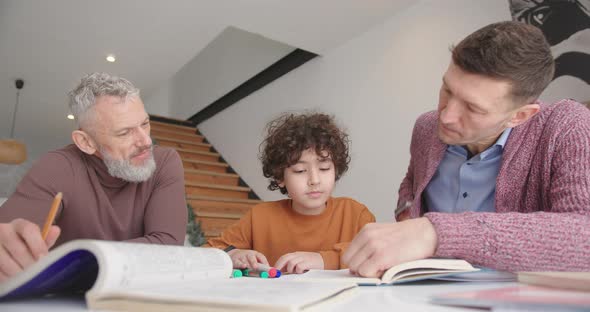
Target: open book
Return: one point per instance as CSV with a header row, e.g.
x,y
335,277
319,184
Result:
x,y
402,273
132,276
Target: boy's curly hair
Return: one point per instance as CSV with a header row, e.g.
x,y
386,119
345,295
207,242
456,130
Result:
x,y
291,134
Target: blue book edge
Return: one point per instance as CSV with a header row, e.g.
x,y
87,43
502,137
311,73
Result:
x,y
75,272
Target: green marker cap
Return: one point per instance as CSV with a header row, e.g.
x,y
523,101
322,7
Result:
x,y
263,274
236,273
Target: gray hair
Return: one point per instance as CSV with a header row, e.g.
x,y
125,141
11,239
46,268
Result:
x,y
94,85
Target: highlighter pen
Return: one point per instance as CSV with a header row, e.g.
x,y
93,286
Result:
x,y
272,272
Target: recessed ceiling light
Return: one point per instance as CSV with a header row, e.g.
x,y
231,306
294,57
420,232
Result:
x,y
111,58
70,116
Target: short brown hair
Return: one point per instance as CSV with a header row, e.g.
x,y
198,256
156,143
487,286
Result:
x,y
509,50
291,134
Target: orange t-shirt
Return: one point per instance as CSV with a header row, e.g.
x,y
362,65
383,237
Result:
x,y
274,229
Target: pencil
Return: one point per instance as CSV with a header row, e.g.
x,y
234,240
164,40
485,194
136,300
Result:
x,y
51,215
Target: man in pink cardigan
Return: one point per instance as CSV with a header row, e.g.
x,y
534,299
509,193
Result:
x,y
495,177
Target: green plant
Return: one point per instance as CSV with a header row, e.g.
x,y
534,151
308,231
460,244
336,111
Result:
x,y
193,229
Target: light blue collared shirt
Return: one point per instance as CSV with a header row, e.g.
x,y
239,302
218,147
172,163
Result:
x,y
461,184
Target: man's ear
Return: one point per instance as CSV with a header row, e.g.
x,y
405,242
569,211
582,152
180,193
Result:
x,y
84,142
523,114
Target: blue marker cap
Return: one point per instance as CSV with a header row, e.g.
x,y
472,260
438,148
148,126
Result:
x,y
278,273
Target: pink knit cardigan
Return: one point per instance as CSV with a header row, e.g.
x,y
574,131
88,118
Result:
x,y
542,218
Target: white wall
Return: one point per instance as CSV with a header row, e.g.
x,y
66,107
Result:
x,y
158,101
376,84
232,58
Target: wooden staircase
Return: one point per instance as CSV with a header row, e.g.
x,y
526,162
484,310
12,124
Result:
x,y
217,195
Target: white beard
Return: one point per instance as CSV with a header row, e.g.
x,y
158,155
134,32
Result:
x,y
123,169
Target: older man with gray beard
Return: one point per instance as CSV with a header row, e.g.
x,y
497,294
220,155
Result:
x,y
116,185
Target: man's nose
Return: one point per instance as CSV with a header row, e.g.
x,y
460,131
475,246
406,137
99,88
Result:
x,y
143,137
450,113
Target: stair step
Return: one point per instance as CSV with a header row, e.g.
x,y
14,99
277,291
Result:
x,y
198,155
184,144
216,190
204,204
174,134
205,165
204,176
219,215
169,126
195,147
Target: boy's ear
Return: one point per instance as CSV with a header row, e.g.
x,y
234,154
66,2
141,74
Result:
x,y
84,142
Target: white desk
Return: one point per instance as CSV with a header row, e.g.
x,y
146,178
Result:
x,y
367,298
411,297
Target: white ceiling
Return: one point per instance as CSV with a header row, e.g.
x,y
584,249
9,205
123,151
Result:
x,y
51,44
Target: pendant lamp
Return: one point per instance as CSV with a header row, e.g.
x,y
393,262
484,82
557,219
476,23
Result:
x,y
11,150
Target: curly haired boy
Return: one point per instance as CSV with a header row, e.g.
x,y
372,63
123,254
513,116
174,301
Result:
x,y
303,155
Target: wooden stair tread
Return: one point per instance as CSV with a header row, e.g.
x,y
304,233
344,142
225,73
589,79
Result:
x,y
167,130
161,138
171,125
179,149
224,199
212,163
222,215
218,186
206,172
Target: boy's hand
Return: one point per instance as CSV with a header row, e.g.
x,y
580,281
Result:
x,y
245,258
299,262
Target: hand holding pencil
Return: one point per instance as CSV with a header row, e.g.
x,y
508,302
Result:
x,y
22,242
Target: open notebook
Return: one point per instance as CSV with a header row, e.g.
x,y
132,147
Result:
x,y
147,277
405,272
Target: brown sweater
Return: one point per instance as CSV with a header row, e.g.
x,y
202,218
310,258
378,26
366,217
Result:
x,y
274,229
96,205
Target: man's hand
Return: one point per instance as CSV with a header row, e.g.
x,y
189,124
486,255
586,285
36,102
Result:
x,y
299,262
21,245
379,246
244,258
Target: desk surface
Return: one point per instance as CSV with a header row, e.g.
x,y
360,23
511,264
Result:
x,y
414,297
